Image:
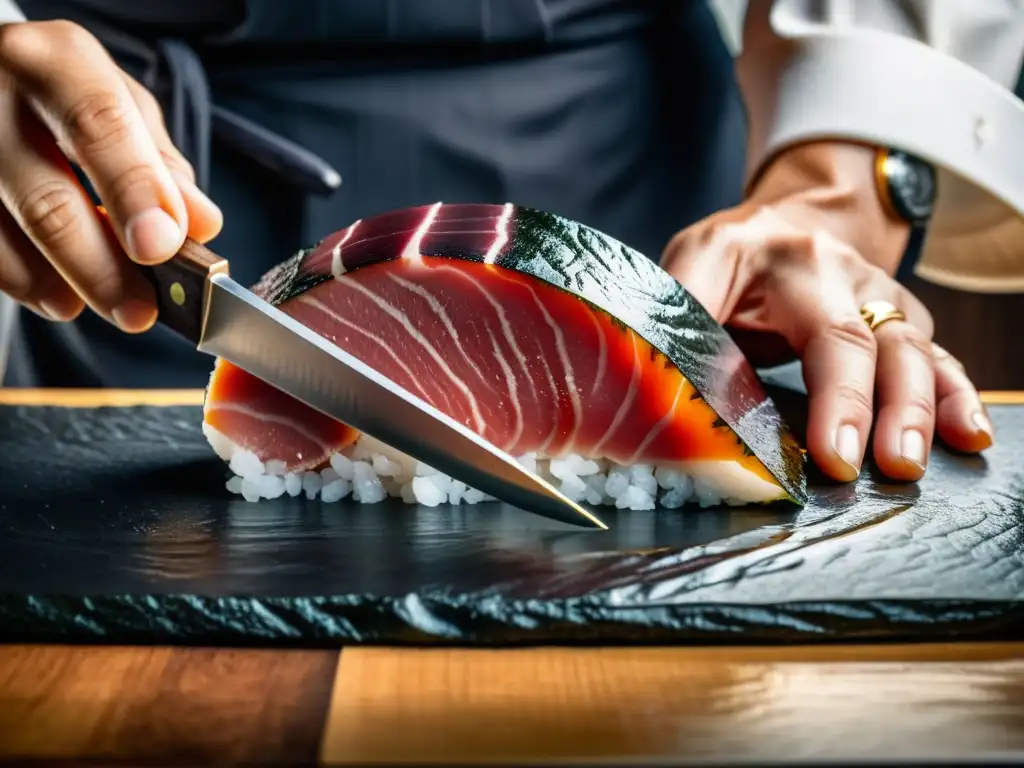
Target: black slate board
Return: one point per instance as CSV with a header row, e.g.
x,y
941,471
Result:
x,y
114,527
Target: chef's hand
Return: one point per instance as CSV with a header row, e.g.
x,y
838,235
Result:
x,y
62,98
788,271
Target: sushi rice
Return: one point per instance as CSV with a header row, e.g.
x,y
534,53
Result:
x,y
369,472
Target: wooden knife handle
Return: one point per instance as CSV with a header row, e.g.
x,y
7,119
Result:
x,y
181,288
180,285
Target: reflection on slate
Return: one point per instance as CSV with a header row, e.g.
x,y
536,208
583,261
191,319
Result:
x,y
115,527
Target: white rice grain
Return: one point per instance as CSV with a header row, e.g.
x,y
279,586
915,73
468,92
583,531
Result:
x,y
221,444
385,467
572,465
642,476
617,483
456,491
246,464
275,467
311,484
529,461
293,484
635,497
408,494
424,470
595,490
250,491
370,472
427,492
343,466
574,487
270,486
673,498
366,486
334,491
473,496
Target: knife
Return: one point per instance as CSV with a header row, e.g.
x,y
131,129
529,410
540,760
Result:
x,y
197,298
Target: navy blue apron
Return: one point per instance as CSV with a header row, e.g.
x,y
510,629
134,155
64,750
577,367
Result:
x,y
622,114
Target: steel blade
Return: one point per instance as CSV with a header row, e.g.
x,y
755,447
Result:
x,y
263,340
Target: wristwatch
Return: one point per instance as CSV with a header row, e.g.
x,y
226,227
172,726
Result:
x,y
906,185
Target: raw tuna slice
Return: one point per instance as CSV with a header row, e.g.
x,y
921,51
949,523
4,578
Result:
x,y
555,342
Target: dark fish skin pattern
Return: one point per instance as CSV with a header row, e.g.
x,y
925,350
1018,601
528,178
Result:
x,y
592,266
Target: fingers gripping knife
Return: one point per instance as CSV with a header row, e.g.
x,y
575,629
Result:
x,y
197,298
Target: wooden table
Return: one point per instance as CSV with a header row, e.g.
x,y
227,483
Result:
x,y
362,705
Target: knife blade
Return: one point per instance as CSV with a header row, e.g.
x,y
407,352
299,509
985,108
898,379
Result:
x,y
197,298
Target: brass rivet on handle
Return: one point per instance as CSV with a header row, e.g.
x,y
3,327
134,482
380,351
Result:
x,y
177,293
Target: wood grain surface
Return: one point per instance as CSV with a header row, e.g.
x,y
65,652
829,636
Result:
x,y
99,398
152,704
617,706
572,705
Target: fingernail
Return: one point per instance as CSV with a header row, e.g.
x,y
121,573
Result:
x,y
134,316
981,421
59,311
912,447
52,311
196,195
152,236
848,446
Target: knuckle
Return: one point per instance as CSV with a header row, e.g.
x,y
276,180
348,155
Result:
x,y
49,214
925,406
873,273
797,248
176,163
125,181
21,42
28,43
906,336
851,332
98,121
105,288
676,251
717,229
856,399
69,32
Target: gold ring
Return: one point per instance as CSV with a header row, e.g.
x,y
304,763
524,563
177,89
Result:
x,y
877,312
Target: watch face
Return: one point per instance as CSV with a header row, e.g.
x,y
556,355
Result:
x,y
911,185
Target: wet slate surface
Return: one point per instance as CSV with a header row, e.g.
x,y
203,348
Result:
x,y
114,527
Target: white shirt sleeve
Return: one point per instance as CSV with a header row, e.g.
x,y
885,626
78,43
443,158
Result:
x,y
9,11
932,77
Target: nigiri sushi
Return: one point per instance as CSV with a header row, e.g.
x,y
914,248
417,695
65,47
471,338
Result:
x,y
559,344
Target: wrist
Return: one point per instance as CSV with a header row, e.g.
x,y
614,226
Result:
x,y
836,185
